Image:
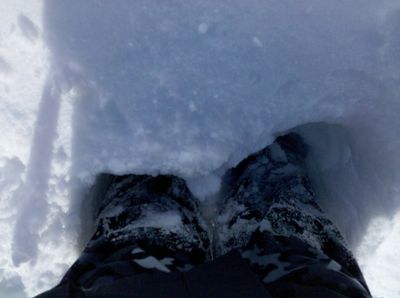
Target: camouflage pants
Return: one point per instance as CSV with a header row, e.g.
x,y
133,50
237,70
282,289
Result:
x,y
267,212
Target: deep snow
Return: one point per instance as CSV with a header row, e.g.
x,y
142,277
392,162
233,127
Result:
x,y
191,88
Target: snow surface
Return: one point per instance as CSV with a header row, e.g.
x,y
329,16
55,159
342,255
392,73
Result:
x,y
190,88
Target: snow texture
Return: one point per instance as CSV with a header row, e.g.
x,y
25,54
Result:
x,y
191,88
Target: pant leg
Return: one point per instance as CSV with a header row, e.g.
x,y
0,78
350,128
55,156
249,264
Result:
x,y
269,213
144,224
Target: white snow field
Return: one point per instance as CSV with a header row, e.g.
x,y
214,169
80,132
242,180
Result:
x,y
190,88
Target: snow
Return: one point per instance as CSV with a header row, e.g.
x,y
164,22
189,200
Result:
x,y
171,221
191,88
379,256
203,28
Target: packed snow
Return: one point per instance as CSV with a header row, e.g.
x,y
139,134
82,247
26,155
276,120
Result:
x,y
191,88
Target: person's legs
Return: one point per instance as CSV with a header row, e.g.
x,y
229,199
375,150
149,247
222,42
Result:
x,y
144,224
269,214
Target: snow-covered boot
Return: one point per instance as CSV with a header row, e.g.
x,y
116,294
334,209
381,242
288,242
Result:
x,y
269,213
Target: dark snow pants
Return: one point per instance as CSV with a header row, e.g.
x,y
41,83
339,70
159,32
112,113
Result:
x,y
151,228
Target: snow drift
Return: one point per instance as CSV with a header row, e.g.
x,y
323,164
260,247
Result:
x,y
189,88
